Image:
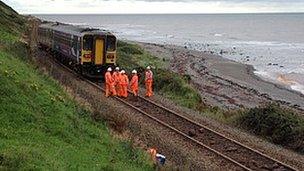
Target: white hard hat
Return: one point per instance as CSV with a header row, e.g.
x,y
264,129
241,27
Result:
x,y
117,68
134,72
148,67
122,71
109,69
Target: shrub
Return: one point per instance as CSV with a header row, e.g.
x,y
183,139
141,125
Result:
x,y
279,125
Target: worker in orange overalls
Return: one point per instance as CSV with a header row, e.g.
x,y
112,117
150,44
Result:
x,y
152,152
157,158
116,76
134,83
149,81
110,89
124,82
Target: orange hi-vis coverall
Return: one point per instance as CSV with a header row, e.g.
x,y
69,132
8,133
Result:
x,y
116,77
124,82
152,153
148,82
134,84
110,89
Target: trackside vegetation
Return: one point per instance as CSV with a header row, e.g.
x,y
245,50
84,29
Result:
x,y
42,128
272,122
276,124
168,84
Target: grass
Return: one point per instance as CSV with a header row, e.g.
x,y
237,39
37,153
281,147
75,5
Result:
x,y
42,128
167,83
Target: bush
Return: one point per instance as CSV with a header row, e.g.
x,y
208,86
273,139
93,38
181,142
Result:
x,y
281,126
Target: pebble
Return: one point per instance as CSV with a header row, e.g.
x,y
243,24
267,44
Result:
x,y
201,130
192,133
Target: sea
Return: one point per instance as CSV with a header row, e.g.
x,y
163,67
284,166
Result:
x,y
272,43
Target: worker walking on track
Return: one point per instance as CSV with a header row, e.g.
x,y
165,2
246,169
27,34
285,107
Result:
x,y
124,82
116,76
110,89
134,83
149,81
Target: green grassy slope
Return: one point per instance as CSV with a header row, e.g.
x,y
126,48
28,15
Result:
x,y
41,127
11,24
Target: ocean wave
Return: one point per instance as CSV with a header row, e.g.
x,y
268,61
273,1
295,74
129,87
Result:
x,y
218,35
298,87
77,24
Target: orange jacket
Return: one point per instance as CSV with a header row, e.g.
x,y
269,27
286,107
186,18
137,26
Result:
x,y
116,76
109,78
152,152
149,76
124,80
134,82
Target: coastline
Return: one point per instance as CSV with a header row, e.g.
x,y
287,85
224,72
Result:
x,y
223,82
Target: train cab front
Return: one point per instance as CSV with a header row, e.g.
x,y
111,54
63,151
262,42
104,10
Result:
x,y
99,53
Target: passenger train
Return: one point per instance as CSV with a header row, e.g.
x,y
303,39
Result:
x,y
89,51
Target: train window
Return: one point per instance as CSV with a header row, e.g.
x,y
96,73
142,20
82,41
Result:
x,y
111,43
88,43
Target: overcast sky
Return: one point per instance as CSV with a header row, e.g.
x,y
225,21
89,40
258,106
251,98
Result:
x,y
154,6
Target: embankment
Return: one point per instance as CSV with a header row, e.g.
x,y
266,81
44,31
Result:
x,y
42,126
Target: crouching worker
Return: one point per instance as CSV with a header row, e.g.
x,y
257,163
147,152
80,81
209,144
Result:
x,y
110,88
134,83
124,82
158,159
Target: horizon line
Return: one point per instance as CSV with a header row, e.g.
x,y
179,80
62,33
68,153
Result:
x,y
159,13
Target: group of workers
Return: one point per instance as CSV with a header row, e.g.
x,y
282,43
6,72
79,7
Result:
x,y
117,83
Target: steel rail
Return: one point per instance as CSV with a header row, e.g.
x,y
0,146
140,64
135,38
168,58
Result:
x,y
219,134
178,131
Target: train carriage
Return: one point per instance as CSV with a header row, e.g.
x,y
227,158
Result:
x,y
89,50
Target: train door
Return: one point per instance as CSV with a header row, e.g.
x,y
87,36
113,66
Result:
x,y
99,51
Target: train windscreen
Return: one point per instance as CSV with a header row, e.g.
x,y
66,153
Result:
x,y
111,43
88,43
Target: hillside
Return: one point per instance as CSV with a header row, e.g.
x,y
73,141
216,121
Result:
x,y
41,126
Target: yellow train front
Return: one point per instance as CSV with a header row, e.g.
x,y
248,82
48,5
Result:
x,y
89,51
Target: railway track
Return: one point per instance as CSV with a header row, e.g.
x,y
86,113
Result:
x,y
228,149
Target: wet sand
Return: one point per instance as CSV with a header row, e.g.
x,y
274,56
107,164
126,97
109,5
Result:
x,y
222,82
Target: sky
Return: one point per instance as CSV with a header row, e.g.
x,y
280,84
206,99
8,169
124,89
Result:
x,y
153,6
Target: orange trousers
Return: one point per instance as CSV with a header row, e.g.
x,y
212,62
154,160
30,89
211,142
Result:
x,y
110,90
124,90
135,91
149,91
119,90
